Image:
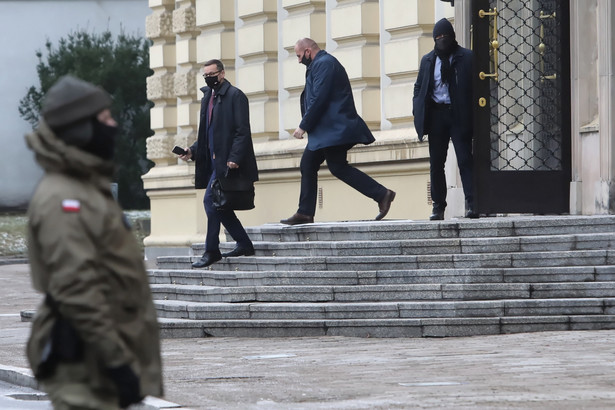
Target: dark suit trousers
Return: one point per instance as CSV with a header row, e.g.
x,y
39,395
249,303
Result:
x,y
441,131
216,217
339,167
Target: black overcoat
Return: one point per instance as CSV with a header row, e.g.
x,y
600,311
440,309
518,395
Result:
x,y
231,134
460,92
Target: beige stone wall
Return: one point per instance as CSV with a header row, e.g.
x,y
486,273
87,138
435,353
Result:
x,y
380,44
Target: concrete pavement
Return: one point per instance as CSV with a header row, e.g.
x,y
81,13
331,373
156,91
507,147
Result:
x,y
550,370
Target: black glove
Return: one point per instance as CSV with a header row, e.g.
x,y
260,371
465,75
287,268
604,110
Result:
x,y
127,383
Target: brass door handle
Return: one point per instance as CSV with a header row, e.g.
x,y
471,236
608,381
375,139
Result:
x,y
552,77
483,76
495,45
542,47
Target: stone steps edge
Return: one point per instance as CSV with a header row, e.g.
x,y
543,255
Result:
x,y
447,327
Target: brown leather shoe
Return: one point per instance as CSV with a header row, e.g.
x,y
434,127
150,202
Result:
x,y
298,219
385,204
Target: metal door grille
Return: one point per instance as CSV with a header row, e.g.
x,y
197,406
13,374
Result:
x,y
526,54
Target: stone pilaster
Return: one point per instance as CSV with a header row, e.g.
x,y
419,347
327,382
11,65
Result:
x,y
409,35
305,18
176,220
355,28
606,72
257,74
187,72
159,29
215,20
585,95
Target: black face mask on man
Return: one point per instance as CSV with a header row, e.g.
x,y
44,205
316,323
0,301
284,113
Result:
x,y
306,61
212,82
445,44
102,143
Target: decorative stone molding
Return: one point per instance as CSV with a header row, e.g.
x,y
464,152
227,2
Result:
x,y
185,139
161,87
297,5
184,20
159,25
158,147
184,83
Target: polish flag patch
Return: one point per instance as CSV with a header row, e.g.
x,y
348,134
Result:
x,y
71,205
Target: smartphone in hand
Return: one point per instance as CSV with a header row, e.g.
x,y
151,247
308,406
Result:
x,y
179,150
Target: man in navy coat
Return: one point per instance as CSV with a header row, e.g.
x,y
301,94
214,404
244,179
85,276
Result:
x,y
331,120
224,143
442,109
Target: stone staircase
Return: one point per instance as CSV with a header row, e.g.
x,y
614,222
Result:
x,y
399,279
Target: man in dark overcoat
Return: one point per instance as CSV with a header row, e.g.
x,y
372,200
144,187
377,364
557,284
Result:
x,y
334,126
224,143
442,109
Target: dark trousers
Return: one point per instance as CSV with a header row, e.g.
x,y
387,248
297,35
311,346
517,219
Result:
x,y
339,167
441,131
227,218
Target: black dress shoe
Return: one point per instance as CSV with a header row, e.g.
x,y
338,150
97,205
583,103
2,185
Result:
x,y
385,204
207,259
471,214
298,219
240,251
437,216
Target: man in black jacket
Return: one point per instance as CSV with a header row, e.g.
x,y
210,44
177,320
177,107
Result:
x,y
224,142
442,109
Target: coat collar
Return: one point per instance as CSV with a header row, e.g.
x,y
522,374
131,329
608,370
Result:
x,y
318,56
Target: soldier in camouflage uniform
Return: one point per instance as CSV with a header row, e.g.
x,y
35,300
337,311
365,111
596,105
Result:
x,y
95,341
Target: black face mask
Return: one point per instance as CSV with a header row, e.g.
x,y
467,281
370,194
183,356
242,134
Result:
x,y
212,82
102,143
445,44
306,61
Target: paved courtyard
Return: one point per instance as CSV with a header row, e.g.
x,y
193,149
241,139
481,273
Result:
x,y
550,370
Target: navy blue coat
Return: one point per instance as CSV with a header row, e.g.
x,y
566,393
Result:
x,y
231,134
460,91
330,117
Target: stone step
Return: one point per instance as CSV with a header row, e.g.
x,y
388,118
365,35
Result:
x,y
401,262
388,293
204,277
431,327
384,310
457,228
398,279
539,243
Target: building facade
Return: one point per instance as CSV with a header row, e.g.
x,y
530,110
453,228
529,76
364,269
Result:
x,y
380,43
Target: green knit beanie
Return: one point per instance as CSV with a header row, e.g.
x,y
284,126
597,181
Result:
x,y
69,106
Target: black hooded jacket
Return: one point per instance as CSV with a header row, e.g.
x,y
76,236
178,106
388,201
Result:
x,y
460,88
